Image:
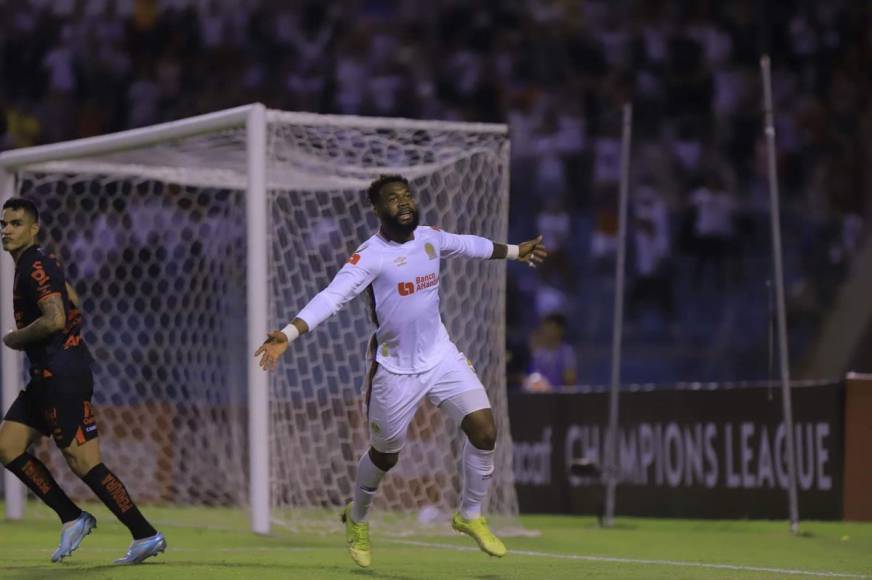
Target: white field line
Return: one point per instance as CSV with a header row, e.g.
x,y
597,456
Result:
x,y
578,557
173,550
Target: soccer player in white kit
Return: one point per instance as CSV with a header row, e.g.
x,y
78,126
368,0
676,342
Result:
x,y
412,354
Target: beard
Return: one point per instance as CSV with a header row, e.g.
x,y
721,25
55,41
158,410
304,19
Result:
x,y
401,230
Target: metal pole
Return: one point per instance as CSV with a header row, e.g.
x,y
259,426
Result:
x,y
612,441
10,380
258,304
775,215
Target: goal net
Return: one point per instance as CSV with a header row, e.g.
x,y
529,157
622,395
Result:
x,y
154,227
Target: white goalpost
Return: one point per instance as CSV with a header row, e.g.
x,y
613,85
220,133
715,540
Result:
x,y
189,240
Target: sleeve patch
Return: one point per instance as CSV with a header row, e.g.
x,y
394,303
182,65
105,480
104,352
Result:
x,y
37,272
354,259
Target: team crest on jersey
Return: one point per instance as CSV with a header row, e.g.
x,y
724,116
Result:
x,y
431,251
401,261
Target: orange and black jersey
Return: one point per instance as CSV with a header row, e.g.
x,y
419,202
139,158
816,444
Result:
x,y
38,276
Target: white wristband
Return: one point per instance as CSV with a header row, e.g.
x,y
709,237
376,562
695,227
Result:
x,y
512,252
291,332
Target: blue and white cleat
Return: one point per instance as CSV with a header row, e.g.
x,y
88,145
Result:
x,y
72,535
139,550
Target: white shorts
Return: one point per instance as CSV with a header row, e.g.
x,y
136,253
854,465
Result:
x,y
392,399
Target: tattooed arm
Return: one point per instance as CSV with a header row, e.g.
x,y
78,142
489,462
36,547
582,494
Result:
x,y
53,320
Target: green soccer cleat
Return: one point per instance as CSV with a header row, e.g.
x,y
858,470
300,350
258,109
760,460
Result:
x,y
478,530
357,538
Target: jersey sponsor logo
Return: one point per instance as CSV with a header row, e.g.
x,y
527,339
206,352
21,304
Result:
x,y
354,259
423,282
420,283
401,261
431,251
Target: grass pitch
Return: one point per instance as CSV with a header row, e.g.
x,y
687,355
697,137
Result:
x,y
214,543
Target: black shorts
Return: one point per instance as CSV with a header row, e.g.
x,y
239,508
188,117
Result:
x,y
59,407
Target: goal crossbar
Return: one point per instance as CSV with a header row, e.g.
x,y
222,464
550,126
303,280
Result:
x,y
210,122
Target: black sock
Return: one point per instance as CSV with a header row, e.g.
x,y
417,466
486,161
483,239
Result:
x,y
112,492
36,476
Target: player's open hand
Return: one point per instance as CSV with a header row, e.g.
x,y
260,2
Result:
x,y
272,348
532,252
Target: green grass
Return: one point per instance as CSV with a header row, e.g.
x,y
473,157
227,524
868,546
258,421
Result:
x,y
567,547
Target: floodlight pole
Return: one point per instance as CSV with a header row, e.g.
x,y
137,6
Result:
x,y
611,471
783,357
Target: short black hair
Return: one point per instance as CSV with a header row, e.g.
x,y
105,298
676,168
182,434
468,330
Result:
x,y
20,203
375,187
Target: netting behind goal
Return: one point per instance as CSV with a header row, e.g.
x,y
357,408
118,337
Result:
x,y
159,268
156,242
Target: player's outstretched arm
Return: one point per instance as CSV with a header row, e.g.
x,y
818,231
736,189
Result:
x,y
277,342
532,252
53,319
360,270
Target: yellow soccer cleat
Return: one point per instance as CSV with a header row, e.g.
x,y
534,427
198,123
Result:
x,y
357,538
478,530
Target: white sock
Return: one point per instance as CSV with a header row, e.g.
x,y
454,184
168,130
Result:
x,y
478,470
365,486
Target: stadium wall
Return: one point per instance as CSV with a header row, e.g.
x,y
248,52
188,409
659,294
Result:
x,y
858,443
682,453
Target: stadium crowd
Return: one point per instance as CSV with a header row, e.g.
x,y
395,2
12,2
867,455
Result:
x,y
558,72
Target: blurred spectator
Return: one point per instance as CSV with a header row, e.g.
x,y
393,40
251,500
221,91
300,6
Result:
x,y
714,241
652,283
557,72
553,364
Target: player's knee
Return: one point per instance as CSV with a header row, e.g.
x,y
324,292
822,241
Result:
x,y
485,438
80,464
10,449
384,461
482,434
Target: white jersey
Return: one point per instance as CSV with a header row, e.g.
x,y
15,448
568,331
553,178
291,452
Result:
x,y
403,281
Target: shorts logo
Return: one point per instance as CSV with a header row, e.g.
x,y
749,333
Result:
x,y
375,427
51,415
406,288
431,251
87,414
